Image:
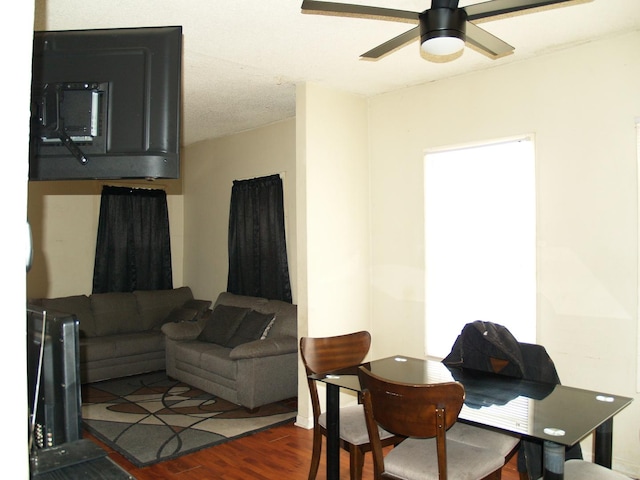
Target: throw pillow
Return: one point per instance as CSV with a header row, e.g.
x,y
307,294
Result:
x,y
251,328
181,314
267,329
222,324
200,306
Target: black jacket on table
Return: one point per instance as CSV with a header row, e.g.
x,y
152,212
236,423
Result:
x,y
490,347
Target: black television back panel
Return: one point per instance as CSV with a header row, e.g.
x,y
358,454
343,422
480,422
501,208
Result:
x,y
53,373
106,104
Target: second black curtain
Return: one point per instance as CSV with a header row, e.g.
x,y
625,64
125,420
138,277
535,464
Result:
x,y
257,249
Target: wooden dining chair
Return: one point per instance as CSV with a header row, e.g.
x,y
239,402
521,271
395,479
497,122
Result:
x,y
327,354
576,469
505,444
423,413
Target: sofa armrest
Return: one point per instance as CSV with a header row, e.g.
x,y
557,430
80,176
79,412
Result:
x,y
182,331
265,348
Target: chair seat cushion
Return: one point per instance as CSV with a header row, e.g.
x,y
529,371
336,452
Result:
x,y
502,443
417,459
582,470
353,427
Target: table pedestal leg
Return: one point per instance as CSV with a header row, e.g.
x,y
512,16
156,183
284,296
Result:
x,y
553,461
604,443
333,432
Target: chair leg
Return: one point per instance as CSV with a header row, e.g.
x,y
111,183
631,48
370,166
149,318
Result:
x,y
356,462
315,456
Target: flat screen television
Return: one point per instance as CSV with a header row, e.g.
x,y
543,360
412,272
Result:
x,y
105,104
53,374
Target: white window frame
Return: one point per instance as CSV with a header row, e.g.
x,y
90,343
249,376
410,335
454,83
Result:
x,y
638,201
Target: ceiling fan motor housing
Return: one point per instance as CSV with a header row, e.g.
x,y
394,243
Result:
x,y
443,22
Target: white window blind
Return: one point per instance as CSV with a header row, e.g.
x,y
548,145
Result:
x,y
480,235
513,415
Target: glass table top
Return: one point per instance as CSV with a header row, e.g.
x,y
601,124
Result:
x,y
546,411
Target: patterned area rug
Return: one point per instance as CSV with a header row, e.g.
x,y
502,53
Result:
x,y
150,418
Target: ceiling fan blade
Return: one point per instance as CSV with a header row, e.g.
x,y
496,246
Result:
x,y
392,44
362,10
499,7
486,41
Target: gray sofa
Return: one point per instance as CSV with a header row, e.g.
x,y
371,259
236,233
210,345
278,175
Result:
x,y
120,332
244,350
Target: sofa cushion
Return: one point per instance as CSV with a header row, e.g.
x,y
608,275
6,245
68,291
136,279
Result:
x,y
245,301
286,318
122,345
181,331
80,306
217,360
139,343
210,357
115,312
222,324
251,328
155,305
181,314
95,349
265,348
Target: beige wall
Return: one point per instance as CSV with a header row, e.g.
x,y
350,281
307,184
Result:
x,y
64,222
335,216
333,219
209,168
580,104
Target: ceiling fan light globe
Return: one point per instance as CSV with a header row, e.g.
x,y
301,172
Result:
x,y
440,46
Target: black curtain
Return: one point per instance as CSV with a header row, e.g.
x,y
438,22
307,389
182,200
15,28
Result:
x,y
133,250
257,249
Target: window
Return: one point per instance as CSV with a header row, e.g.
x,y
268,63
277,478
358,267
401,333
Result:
x,y
480,234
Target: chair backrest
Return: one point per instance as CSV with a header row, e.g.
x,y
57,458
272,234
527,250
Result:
x,y
424,411
412,410
327,354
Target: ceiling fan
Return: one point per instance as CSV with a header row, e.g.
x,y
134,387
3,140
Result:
x,y
443,28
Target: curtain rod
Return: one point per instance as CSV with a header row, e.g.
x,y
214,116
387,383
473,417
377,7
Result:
x,y
281,174
140,186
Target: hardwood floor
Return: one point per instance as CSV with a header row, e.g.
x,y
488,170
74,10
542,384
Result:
x,y
281,453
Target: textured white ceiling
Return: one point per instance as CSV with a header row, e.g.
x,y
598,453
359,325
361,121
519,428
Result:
x,y
243,58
